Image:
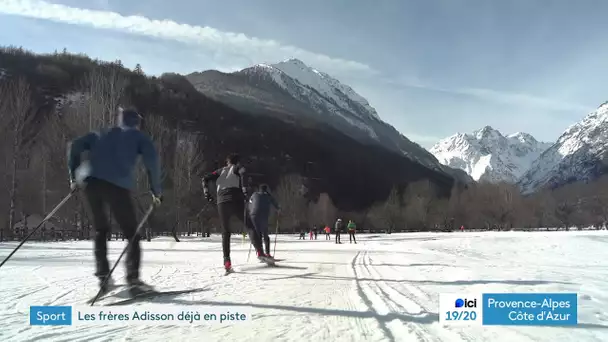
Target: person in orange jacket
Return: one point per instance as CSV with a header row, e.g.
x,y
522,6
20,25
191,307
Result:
x,y
327,233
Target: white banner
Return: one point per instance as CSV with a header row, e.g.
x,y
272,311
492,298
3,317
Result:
x,y
159,315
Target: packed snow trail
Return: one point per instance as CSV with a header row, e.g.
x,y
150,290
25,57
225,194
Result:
x,y
385,288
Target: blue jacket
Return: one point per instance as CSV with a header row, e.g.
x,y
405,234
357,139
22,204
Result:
x,y
113,154
259,204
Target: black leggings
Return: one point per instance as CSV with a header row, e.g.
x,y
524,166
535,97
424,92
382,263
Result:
x,y
236,208
261,228
100,194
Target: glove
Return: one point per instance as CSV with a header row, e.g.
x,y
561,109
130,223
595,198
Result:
x,y
157,200
75,185
245,193
208,196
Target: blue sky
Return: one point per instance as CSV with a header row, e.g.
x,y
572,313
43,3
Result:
x,y
430,68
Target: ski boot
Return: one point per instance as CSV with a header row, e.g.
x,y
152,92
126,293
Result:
x,y
264,258
138,287
228,267
267,260
107,287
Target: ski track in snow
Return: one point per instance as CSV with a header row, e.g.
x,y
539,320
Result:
x,y
385,288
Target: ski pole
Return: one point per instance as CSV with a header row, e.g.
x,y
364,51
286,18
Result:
x,y
276,233
245,226
46,218
141,224
249,254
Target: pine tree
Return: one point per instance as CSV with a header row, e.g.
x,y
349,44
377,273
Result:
x,y
138,69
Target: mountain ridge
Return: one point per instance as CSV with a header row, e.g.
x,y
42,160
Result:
x,y
488,155
298,93
579,154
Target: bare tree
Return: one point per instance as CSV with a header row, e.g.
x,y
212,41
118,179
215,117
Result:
x,y
186,162
293,203
595,201
162,136
501,202
105,86
389,214
322,211
17,114
420,197
439,214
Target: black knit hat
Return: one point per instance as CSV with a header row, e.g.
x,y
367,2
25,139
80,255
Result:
x,y
130,118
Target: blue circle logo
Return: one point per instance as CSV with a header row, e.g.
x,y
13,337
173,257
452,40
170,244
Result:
x,y
459,303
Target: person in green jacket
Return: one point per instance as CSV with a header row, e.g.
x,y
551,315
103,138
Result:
x,y
352,227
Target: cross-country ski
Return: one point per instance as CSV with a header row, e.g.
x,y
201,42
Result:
x,y
149,296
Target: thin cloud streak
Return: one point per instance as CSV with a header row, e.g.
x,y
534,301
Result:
x,y
498,96
221,44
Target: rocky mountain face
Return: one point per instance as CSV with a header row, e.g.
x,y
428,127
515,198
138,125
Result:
x,y
580,154
488,155
294,92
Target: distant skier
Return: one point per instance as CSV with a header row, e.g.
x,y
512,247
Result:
x,y
327,233
310,234
231,197
259,210
352,227
113,155
302,235
339,226
315,231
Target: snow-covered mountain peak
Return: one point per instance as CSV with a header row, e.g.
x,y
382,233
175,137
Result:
x,y
578,154
487,133
488,155
326,85
522,137
293,62
338,96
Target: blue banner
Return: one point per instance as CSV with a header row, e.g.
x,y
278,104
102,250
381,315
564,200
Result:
x,y
529,309
50,315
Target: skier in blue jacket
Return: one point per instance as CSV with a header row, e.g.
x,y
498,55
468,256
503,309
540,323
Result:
x,y
259,211
113,154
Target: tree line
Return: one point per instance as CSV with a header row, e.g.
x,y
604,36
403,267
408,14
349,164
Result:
x,y
477,206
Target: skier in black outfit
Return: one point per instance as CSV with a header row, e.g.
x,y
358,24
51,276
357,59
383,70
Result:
x,y
259,210
107,182
231,197
339,227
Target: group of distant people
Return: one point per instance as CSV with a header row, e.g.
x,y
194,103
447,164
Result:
x,y
339,227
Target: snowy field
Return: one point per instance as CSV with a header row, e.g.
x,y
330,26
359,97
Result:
x,y
385,288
